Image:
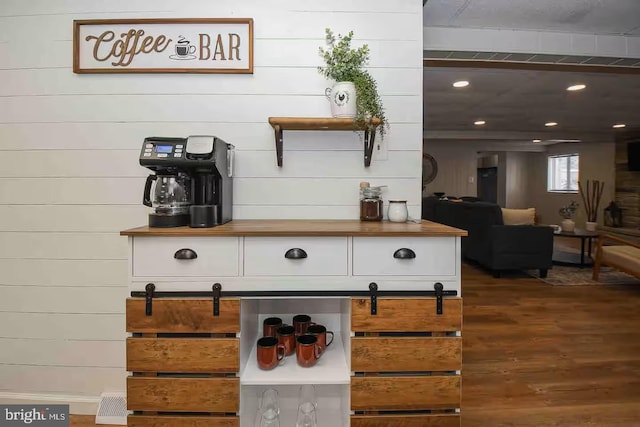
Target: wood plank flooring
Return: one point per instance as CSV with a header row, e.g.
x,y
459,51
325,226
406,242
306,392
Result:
x,y
542,355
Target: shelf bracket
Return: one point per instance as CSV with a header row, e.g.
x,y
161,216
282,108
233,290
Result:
x,y
439,293
369,142
373,288
279,143
217,290
148,298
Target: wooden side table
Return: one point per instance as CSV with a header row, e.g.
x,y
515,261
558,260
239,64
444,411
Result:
x,y
580,259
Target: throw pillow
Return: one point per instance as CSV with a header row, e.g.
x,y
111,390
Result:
x,y
518,216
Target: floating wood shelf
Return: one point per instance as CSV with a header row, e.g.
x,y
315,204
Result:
x,y
281,124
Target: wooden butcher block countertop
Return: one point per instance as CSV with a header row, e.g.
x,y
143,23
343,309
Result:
x,y
303,227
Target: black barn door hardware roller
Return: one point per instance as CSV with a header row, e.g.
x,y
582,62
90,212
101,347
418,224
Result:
x,y
148,297
217,290
373,288
439,292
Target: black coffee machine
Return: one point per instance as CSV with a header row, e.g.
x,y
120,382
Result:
x,y
193,181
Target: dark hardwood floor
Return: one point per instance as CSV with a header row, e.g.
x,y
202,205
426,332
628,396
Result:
x,y
542,355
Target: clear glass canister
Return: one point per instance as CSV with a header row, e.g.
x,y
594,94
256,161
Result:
x,y
371,204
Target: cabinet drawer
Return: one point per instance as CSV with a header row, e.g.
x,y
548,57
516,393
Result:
x,y
183,315
406,315
183,394
321,256
376,256
156,256
405,393
406,354
178,421
435,420
187,355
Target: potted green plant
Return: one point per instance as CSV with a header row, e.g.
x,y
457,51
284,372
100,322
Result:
x,y
567,213
355,93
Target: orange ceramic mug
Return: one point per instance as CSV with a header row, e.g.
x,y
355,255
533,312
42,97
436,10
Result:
x,y
320,332
269,352
308,351
286,336
270,325
301,322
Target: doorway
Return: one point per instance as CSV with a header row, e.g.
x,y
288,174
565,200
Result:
x,y
488,184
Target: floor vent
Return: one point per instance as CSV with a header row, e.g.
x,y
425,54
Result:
x,y
112,409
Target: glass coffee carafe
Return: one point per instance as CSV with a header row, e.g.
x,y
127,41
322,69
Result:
x,y
171,199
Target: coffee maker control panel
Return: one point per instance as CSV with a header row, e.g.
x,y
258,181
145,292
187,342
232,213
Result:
x,y
162,150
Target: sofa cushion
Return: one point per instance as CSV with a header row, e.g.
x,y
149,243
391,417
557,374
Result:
x,y
519,216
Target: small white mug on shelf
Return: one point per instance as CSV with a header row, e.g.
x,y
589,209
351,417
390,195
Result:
x,y
398,211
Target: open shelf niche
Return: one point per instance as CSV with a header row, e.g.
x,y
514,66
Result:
x,y
331,376
369,127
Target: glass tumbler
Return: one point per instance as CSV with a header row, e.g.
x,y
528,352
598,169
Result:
x,y
269,411
306,419
307,405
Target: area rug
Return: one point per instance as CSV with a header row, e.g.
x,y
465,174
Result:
x,y
567,275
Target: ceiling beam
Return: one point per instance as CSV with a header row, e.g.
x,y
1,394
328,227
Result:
x,y
468,63
496,136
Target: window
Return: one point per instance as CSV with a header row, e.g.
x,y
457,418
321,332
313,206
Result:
x,y
563,173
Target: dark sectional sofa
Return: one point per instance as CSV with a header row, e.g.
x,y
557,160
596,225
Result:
x,y
490,243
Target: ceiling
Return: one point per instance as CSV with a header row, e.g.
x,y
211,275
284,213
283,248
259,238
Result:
x,y
619,17
522,101
516,103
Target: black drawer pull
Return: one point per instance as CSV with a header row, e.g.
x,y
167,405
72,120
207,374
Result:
x,y
295,253
404,253
185,254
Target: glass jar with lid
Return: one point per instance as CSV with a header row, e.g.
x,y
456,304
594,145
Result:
x,y
370,204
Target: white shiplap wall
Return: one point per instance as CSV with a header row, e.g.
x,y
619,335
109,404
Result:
x,y
70,181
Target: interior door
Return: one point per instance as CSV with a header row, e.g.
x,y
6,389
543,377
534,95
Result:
x,y
488,184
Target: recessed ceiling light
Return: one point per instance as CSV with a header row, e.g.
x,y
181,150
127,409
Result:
x,y
573,88
461,83
619,125
549,124
537,140
479,122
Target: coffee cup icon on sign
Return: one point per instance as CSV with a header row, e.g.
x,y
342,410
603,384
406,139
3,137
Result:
x,y
184,49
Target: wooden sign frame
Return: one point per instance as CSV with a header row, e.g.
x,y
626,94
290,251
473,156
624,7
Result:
x,y
128,45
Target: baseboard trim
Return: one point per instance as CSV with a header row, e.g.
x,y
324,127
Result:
x,y
81,405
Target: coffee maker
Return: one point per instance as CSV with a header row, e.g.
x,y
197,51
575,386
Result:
x,y
193,181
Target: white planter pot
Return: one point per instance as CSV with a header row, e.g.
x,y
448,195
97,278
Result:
x,y
342,98
591,226
568,225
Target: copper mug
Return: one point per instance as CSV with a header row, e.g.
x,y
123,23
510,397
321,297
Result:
x,y
269,352
320,332
301,322
308,351
286,336
270,326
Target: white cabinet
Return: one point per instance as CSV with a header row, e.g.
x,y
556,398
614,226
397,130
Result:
x,y
325,273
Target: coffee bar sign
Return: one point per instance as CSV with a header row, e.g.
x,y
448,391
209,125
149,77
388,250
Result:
x,y
223,45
